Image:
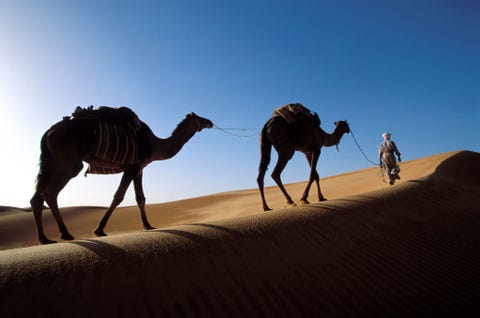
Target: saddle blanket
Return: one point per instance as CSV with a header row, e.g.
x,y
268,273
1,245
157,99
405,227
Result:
x,y
115,143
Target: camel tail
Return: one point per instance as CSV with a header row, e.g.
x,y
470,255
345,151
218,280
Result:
x,y
44,165
265,150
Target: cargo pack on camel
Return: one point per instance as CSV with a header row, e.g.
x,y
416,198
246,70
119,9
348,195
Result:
x,y
115,138
296,112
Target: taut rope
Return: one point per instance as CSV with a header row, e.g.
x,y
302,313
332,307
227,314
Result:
x,y
243,130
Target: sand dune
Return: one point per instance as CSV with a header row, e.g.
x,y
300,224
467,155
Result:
x,y
412,249
18,229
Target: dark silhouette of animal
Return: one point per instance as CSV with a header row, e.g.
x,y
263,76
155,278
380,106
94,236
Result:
x,y
111,140
295,132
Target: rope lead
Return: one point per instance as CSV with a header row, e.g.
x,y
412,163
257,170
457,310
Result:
x,y
363,153
243,136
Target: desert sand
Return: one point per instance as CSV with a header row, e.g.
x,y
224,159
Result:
x,y
408,250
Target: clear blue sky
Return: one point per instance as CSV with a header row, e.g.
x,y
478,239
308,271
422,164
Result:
x,y
408,67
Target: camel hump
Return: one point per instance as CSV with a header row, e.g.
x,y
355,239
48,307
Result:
x,y
295,112
120,115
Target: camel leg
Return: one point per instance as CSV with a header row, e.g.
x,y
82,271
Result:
x,y
265,157
312,161
52,203
281,163
49,194
261,176
304,199
57,183
140,197
317,181
117,199
51,180
260,183
37,209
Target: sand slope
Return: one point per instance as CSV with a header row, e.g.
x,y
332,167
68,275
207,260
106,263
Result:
x,y
408,250
17,228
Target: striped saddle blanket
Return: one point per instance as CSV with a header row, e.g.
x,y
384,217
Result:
x,y
115,144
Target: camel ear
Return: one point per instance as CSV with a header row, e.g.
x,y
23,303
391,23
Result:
x,y
336,123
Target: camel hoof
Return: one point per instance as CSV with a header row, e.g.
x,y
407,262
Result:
x,y
291,205
148,228
45,241
67,237
99,233
266,209
322,199
304,202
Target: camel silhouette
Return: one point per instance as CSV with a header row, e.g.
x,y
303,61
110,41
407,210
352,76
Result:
x,y
294,128
69,142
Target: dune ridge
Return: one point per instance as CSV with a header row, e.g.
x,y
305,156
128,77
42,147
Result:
x,y
408,250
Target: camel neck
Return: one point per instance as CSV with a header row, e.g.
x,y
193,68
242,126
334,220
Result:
x,y
331,139
167,148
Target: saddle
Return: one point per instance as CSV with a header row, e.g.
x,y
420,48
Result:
x,y
115,138
120,115
296,112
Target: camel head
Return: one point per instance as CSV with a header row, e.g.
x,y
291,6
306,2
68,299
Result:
x,y
199,121
341,127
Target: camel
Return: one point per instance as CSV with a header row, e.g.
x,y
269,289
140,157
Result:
x,y
68,143
304,135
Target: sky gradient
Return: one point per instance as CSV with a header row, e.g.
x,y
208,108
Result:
x,y
408,67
